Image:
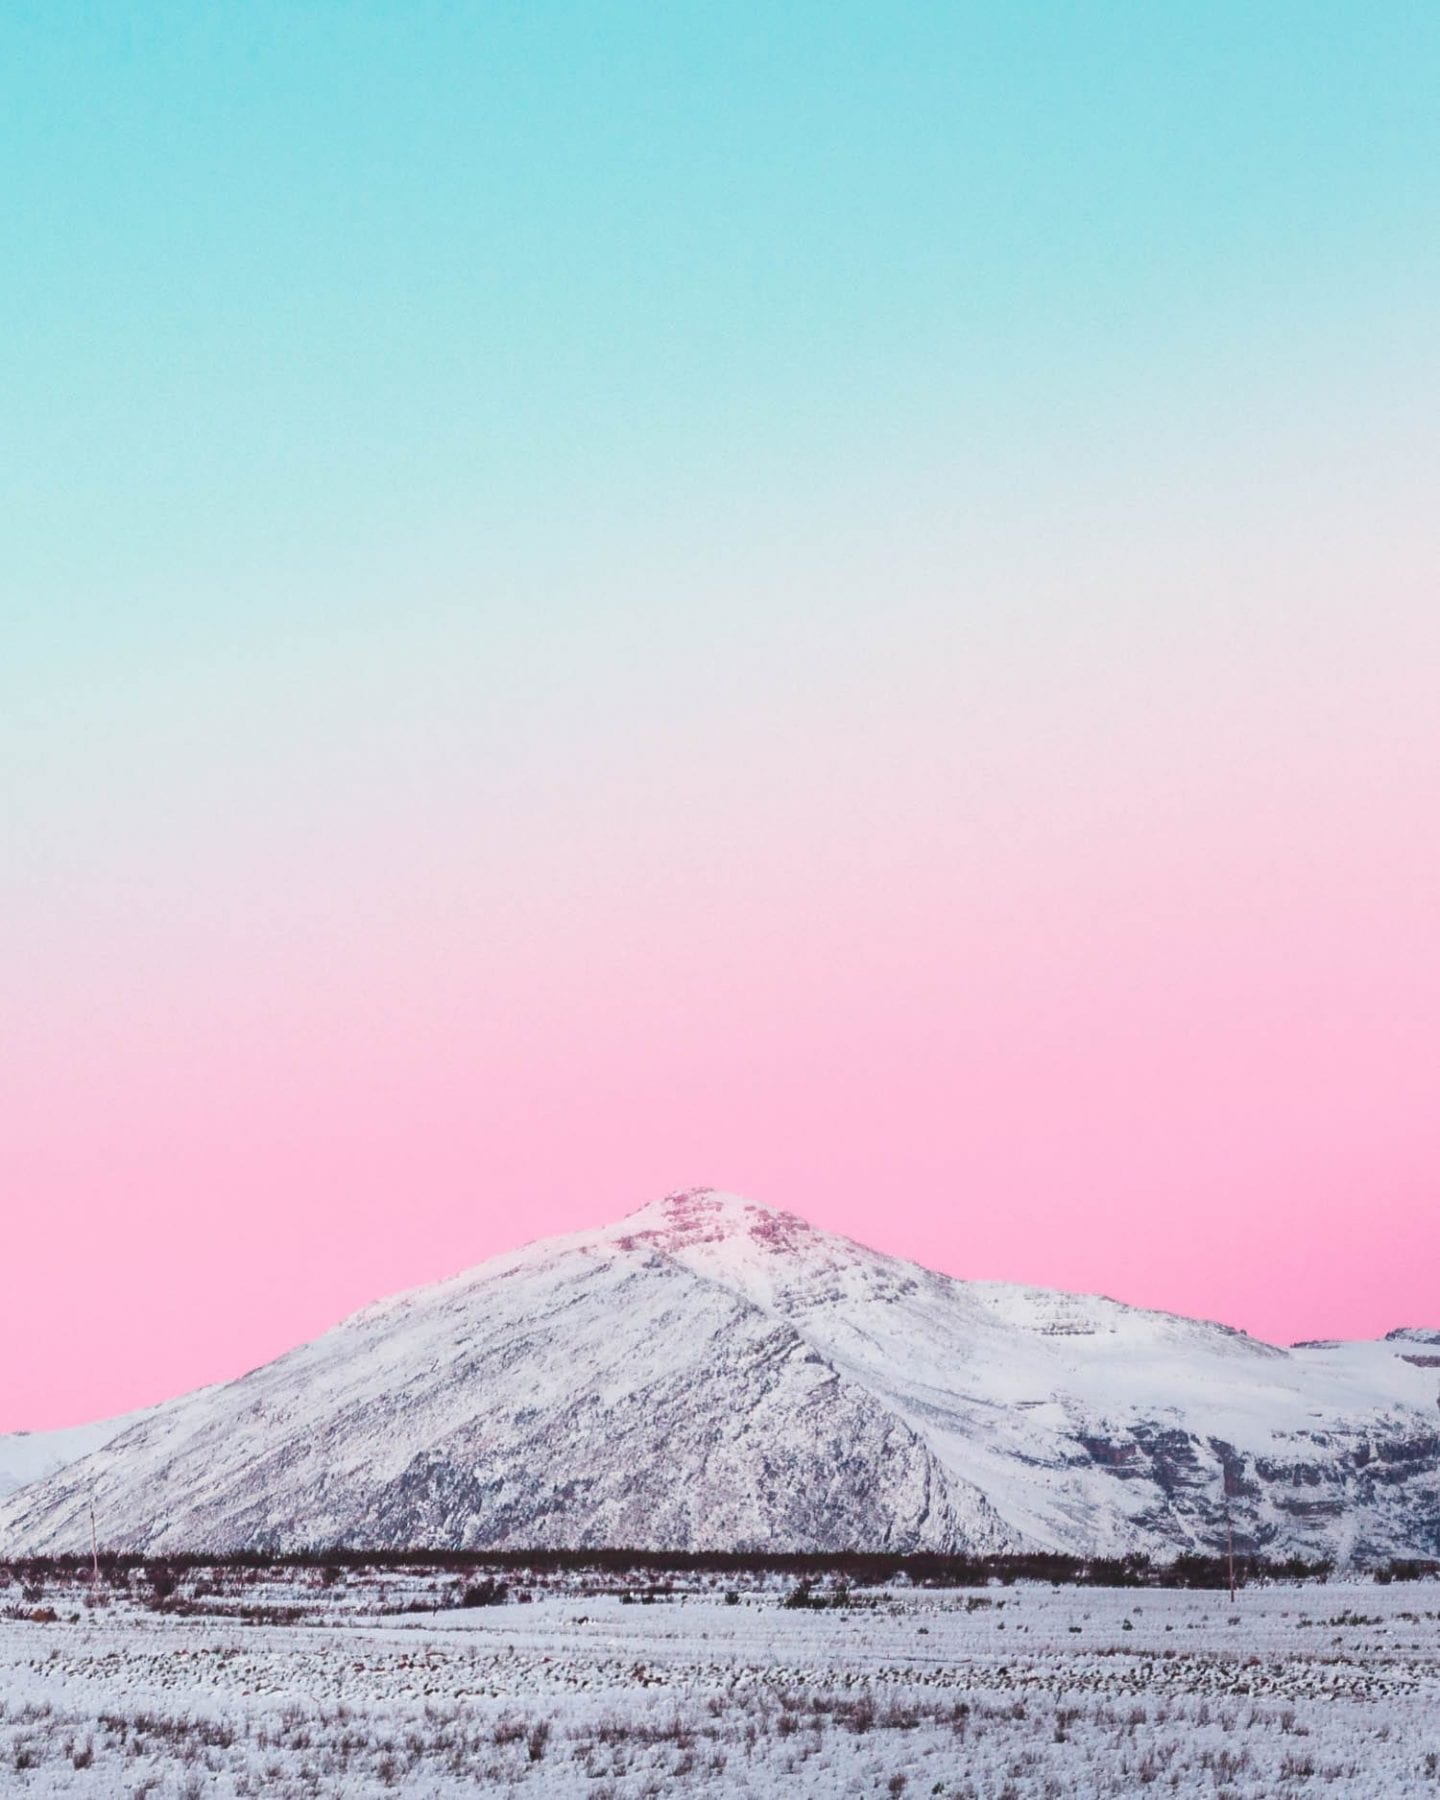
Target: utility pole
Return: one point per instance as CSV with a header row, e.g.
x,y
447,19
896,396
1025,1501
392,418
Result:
x,y
94,1548
1229,1540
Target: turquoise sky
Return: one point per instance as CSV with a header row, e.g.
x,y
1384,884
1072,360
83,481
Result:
x,y
835,600
304,299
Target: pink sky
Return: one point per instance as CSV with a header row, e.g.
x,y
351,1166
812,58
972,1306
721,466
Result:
x,y
1126,988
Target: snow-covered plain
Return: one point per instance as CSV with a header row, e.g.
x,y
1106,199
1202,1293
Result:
x,y
248,1684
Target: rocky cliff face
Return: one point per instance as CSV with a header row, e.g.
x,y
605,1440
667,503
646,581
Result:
x,y
713,1374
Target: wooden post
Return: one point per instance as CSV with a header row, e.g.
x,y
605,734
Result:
x,y
1229,1544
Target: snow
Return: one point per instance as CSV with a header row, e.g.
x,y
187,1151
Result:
x,y
27,1456
712,1373
1022,1692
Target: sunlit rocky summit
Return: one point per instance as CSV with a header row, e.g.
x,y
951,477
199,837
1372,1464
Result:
x,y
713,1374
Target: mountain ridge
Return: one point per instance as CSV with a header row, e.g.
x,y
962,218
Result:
x,y
708,1372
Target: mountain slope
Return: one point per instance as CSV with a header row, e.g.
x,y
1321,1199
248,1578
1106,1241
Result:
x,y
710,1373
27,1456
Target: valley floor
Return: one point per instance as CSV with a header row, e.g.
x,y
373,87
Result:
x,y
353,1684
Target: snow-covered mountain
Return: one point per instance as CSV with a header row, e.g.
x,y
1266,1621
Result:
x,y
27,1456
709,1373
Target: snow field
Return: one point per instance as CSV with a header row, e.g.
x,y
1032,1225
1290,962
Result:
x,y
301,1686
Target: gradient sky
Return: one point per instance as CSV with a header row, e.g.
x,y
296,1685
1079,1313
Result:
x,y
837,600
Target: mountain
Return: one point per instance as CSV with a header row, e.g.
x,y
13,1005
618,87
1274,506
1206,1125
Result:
x,y
709,1373
27,1456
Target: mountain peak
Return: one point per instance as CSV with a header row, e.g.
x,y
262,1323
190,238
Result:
x,y
705,1215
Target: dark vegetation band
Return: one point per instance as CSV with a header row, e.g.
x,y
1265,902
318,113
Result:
x,y
857,1568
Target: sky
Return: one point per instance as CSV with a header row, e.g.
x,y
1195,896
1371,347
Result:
x,y
833,600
